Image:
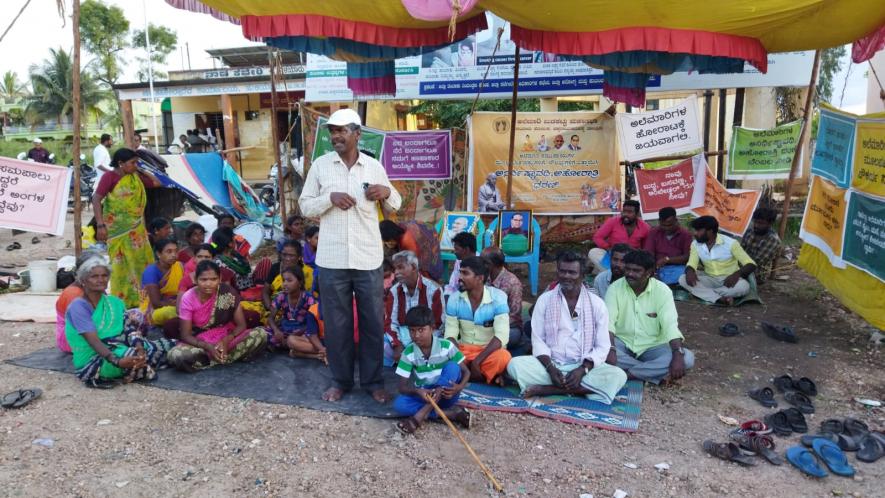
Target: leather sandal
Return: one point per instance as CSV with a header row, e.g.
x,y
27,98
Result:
x,y
796,420
779,423
729,452
806,386
784,383
758,444
800,401
764,395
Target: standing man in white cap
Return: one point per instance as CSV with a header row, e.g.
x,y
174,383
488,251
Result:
x,y
343,188
38,154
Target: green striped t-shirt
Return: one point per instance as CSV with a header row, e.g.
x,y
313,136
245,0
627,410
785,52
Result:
x,y
427,370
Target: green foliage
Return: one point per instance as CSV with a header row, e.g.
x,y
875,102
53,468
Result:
x,y
53,88
11,89
163,42
61,149
103,30
789,106
453,113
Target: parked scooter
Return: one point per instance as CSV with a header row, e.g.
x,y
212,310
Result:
x,y
87,181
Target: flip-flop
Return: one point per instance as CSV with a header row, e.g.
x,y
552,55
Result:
x,y
101,383
806,386
800,401
796,420
756,426
833,457
804,460
13,246
784,383
758,444
779,423
780,332
808,439
833,425
35,240
407,426
464,418
729,452
764,395
872,448
729,330
20,398
856,431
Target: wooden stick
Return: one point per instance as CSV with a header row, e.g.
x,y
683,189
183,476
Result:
x,y
235,149
482,466
75,84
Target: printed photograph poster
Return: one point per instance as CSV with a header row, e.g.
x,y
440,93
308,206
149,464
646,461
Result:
x,y
864,245
762,154
869,157
418,155
733,208
680,186
33,196
660,133
834,149
564,162
454,223
371,140
824,220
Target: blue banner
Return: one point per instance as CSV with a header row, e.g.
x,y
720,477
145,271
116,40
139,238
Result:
x,y
834,151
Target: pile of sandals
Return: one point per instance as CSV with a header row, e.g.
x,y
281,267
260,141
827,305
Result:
x,y
825,449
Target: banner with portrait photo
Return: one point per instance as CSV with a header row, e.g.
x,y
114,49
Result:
x,y
33,196
732,208
824,219
834,149
680,186
564,163
864,240
763,154
660,133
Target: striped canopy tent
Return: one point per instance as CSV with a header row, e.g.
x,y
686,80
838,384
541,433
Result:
x,y
630,40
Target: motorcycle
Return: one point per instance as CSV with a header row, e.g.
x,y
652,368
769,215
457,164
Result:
x,y
87,181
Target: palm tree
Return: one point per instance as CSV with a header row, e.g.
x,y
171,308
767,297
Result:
x,y
11,89
53,95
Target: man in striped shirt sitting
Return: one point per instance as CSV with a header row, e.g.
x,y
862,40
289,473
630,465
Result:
x,y
429,366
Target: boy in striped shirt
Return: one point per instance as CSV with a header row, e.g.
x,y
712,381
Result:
x,y
429,366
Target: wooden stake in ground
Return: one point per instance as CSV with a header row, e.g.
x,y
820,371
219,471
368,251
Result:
x,y
482,466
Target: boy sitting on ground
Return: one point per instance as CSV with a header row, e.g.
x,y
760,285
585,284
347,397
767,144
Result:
x,y
429,366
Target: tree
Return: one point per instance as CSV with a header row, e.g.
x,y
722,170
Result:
x,y
11,89
163,42
103,30
453,113
789,103
53,88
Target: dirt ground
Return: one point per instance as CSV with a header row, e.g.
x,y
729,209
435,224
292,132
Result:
x,y
139,441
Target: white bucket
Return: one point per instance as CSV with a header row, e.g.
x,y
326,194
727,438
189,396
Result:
x,y
43,275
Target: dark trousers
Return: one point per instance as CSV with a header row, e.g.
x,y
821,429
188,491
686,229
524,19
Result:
x,y
337,291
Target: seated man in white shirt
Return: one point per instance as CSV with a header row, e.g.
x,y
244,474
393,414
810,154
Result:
x,y
726,266
570,341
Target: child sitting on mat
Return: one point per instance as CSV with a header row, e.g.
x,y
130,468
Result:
x,y
430,366
291,323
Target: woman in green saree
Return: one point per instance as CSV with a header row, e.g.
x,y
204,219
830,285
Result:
x,y
119,202
107,341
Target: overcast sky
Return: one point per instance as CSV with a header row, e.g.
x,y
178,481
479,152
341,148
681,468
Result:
x,y
40,28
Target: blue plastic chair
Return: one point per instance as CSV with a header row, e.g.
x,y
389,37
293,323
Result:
x,y
532,259
450,256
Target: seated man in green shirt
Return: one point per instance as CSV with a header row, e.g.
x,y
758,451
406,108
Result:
x,y
644,324
726,265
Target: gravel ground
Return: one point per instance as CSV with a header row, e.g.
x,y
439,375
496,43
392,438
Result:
x,y
140,441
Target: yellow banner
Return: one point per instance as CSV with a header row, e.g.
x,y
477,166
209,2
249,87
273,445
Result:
x,y
869,158
824,221
564,162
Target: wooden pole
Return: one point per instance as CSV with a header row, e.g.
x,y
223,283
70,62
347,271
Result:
x,y
712,153
75,81
281,198
512,130
720,139
708,102
482,466
737,120
806,124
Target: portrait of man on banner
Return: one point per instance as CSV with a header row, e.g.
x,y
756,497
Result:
x,y
455,222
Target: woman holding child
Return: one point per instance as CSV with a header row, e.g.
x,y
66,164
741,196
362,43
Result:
x,y
107,341
213,327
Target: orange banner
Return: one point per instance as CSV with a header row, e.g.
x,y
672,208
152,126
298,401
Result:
x,y
733,208
824,221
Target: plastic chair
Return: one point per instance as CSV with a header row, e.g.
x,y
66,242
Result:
x,y
450,256
532,259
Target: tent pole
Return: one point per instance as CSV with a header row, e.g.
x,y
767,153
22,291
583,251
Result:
x,y
806,124
75,82
720,139
272,60
512,130
708,102
737,120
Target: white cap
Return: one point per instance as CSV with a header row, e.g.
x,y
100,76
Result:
x,y
344,117
37,140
